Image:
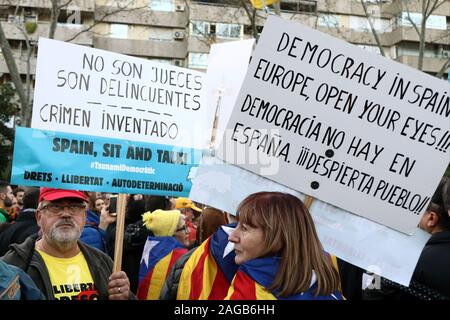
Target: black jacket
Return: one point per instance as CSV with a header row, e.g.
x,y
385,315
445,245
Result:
x,y
100,266
17,232
431,277
433,267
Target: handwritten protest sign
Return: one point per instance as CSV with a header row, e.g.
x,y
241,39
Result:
x,y
227,65
362,242
96,92
348,127
70,161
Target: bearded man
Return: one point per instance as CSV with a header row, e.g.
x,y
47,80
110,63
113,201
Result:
x,y
62,267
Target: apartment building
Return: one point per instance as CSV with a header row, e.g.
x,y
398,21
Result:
x,y
180,32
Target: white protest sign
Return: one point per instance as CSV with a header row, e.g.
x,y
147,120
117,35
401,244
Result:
x,y
354,239
348,127
100,93
227,65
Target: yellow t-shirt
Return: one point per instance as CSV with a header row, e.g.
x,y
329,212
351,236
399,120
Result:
x,y
70,277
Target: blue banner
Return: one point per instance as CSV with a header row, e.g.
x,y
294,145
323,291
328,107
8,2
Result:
x,y
72,161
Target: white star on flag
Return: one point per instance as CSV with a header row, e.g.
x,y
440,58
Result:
x,y
149,245
230,245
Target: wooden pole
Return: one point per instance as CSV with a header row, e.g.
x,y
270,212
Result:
x,y
120,228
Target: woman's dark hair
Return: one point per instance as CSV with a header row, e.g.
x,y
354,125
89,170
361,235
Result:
x,y
135,209
31,198
440,203
153,203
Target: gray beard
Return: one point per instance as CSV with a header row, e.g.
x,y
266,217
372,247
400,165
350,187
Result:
x,y
64,238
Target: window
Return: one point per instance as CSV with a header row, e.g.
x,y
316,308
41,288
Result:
x,y
329,20
161,5
119,31
362,24
198,60
248,29
225,30
433,22
305,6
67,17
199,28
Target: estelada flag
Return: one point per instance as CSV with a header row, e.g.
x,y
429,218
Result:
x,y
158,257
254,277
258,4
208,272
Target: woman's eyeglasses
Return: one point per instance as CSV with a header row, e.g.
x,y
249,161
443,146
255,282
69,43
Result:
x,y
183,228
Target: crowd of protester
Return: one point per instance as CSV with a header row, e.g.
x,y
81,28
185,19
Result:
x,y
60,244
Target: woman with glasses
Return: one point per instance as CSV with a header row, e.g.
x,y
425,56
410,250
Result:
x,y
161,251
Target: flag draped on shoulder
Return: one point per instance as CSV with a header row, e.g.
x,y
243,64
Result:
x,y
210,269
255,276
258,4
159,254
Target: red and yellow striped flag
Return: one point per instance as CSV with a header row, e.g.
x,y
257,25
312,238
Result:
x,y
160,253
208,272
245,288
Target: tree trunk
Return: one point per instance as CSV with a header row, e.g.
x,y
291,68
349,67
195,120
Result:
x,y
422,36
13,71
374,32
54,13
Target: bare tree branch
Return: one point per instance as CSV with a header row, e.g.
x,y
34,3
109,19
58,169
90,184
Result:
x,y
374,32
12,67
444,68
120,8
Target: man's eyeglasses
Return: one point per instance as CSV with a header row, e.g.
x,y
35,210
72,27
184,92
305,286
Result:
x,y
183,228
73,208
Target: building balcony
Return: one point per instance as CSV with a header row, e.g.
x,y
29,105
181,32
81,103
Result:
x,y
175,49
81,5
21,62
63,32
144,16
410,34
432,65
220,13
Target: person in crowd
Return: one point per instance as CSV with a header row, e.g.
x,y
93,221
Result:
x,y
6,201
210,220
19,193
431,277
191,212
351,278
60,265
25,224
96,204
97,221
278,252
106,198
153,203
209,260
16,284
161,251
